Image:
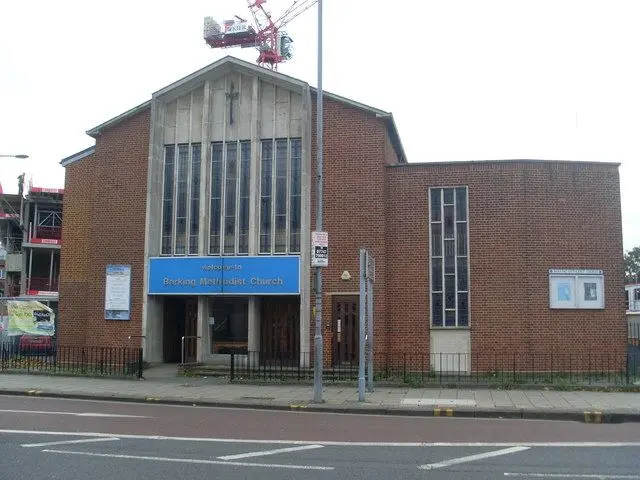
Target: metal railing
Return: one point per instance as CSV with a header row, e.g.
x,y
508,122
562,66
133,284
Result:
x,y
451,369
55,359
54,233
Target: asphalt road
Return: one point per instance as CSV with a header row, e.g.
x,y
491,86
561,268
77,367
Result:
x,y
70,439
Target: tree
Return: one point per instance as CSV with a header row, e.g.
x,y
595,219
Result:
x,y
632,265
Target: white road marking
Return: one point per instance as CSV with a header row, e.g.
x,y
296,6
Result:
x,y
74,414
471,458
328,442
192,460
269,452
64,442
430,402
571,475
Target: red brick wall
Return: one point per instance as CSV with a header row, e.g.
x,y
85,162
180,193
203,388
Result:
x,y
356,148
524,218
104,223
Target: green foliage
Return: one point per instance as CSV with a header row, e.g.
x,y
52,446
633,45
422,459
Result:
x,y
632,265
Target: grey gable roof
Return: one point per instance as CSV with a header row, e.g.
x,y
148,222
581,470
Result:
x,y
77,156
229,62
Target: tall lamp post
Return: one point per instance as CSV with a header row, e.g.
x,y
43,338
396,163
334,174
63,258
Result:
x,y
21,156
318,363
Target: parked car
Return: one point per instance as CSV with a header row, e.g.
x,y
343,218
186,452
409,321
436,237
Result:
x,y
36,345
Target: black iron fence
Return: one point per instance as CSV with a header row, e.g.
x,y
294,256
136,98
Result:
x,y
452,369
69,360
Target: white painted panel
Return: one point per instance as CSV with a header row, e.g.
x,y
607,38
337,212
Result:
x,y
282,113
217,113
451,350
196,115
170,123
296,115
244,108
231,131
267,97
184,121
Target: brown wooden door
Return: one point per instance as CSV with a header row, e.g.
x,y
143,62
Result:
x,y
280,330
191,330
345,329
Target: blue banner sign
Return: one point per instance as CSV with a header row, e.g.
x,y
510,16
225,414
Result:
x,y
224,275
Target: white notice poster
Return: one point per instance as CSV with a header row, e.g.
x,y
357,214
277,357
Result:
x,y
117,292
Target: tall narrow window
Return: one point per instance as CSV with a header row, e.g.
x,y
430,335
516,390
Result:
x,y
216,199
296,195
194,222
231,178
266,175
182,186
449,247
167,201
243,214
282,155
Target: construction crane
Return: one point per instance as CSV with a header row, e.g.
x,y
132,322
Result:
x,y
264,34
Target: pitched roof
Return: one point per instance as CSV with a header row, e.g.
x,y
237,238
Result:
x,y
231,63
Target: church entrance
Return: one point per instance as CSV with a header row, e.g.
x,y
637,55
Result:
x,y
280,330
346,330
180,320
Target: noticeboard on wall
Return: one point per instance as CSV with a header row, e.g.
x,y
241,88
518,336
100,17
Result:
x,y
576,289
117,302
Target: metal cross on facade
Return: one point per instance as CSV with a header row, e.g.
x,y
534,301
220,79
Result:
x,y
231,96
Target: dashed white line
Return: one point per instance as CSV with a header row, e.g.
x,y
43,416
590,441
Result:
x,y
471,458
73,414
269,452
64,442
572,475
191,460
328,442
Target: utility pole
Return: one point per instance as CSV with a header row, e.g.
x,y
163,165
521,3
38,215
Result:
x,y
318,362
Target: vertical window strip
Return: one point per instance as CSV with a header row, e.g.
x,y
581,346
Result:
x,y
167,201
449,257
295,196
230,189
280,197
266,174
243,214
194,224
182,184
215,212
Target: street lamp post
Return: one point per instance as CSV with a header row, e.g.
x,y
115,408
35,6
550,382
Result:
x,y
318,342
20,156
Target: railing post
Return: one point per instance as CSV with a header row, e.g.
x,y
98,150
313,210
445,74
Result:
x,y
232,369
140,363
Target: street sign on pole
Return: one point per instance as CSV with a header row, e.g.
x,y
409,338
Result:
x,y
363,319
318,361
319,249
371,275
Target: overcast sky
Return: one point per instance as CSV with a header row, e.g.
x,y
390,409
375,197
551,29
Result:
x,y
465,80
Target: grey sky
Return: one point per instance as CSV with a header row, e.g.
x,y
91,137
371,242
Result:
x,y
466,80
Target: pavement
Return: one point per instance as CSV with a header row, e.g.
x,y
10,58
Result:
x,y
161,387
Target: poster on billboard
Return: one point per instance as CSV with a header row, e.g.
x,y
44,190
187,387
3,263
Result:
x,y
29,317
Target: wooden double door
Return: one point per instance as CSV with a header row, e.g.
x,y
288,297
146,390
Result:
x,y
280,330
180,320
346,331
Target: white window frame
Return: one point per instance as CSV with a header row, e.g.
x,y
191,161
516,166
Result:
x,y
572,282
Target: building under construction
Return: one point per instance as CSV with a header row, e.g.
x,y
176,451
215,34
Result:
x,y
30,236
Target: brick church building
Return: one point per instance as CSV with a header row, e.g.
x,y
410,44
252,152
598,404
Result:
x,y
192,216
